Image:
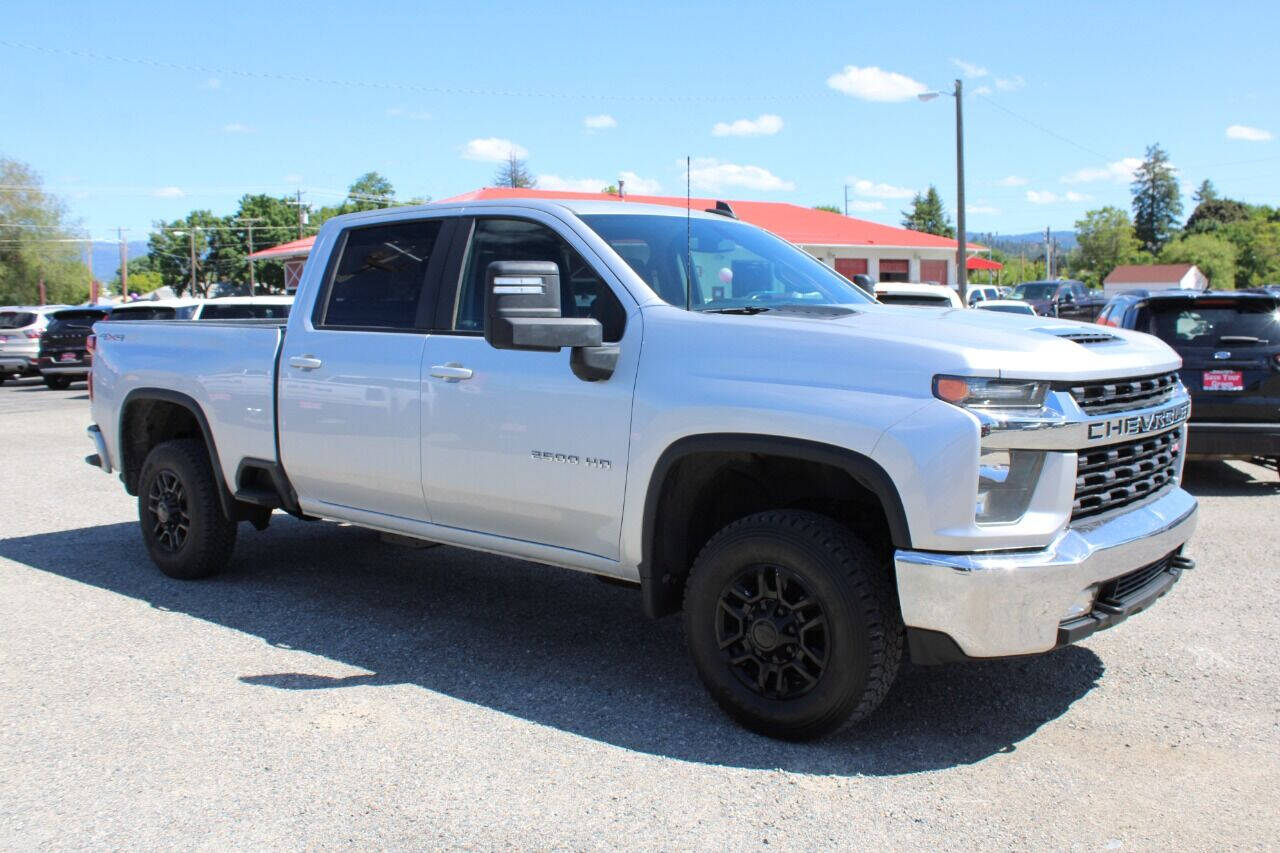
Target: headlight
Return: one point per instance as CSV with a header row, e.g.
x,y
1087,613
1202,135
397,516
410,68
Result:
x,y
984,393
1006,481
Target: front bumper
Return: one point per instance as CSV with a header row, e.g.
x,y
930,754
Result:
x,y
1233,440
1006,603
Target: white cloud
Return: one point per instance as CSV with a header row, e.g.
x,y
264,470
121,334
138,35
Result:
x,y
168,192
969,69
871,189
1012,181
1248,134
1047,197
981,208
577,185
1120,171
292,179
237,127
708,173
1010,84
212,83
982,90
875,84
401,112
765,125
603,121
639,185
862,206
493,149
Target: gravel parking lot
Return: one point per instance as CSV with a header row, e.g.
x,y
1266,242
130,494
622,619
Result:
x,y
332,690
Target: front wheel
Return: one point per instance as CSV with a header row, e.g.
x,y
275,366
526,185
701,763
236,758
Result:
x,y
183,525
793,624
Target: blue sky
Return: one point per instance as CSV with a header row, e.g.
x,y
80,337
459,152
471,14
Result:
x,y
776,101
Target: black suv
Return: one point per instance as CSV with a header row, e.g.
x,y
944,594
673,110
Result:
x,y
64,356
1067,299
1230,347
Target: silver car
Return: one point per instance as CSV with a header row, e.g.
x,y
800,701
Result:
x,y
20,329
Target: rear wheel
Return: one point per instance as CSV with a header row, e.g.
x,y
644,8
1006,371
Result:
x,y
792,624
183,526
57,383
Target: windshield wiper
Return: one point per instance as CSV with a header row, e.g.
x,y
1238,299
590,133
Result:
x,y
745,309
1241,339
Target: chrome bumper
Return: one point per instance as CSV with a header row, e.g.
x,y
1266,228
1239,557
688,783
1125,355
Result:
x,y
1011,603
101,459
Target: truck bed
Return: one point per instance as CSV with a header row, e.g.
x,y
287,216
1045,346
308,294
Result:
x,y
227,366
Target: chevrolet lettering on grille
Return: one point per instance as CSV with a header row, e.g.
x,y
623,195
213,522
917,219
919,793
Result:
x,y
1139,424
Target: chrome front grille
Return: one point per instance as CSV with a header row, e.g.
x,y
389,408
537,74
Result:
x,y
1121,395
1117,475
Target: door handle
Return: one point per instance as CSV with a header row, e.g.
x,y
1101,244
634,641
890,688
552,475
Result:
x,y
451,371
305,362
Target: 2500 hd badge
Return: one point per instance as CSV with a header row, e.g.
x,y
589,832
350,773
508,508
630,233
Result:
x,y
1139,424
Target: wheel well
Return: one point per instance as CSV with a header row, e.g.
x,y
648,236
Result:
x,y
148,422
701,492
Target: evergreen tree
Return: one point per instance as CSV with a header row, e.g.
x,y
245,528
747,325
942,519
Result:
x,y
514,173
928,215
1205,192
1157,204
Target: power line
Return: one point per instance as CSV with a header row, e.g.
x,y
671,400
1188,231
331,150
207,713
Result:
x,y
1103,157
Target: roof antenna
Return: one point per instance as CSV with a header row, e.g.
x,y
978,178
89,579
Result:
x,y
688,234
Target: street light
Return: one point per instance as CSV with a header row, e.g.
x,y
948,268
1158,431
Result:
x,y
962,255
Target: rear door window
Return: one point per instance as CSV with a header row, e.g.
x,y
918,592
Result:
x,y
380,277
16,319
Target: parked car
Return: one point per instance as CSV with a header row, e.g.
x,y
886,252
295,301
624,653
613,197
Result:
x,y
244,308
1229,341
21,328
157,309
982,293
64,356
1006,306
1070,300
924,295
821,483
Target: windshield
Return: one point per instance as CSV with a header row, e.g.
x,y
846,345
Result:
x,y
74,321
16,319
922,299
1035,290
1207,323
733,265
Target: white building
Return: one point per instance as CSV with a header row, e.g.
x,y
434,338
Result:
x,y
1154,277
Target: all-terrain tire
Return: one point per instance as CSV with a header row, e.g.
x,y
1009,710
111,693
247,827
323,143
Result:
x,y
183,526
834,637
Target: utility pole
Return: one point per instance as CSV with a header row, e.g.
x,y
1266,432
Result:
x,y
88,263
846,199
124,263
191,232
1048,255
962,240
248,221
302,219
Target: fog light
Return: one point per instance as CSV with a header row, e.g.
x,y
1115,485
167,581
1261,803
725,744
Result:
x,y
1082,605
1006,481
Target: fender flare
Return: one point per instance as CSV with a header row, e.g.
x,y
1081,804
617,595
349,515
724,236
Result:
x,y
864,471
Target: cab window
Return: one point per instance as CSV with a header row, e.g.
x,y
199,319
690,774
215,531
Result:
x,y
380,275
583,293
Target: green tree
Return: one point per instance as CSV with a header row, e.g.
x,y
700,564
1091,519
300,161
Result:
x,y
274,221
1205,192
172,245
928,215
370,191
35,242
1106,241
1157,204
612,189
514,173
1213,213
1214,255
1257,241
829,208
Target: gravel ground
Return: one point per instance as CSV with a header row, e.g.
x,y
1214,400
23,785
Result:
x,y
331,690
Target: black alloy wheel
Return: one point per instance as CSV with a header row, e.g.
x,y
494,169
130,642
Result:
x,y
167,503
772,632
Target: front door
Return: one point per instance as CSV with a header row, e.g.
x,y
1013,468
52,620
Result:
x,y
513,444
350,399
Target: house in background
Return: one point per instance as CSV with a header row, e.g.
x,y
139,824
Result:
x,y
1154,277
850,246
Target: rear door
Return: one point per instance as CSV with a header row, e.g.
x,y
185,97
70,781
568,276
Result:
x,y
350,401
513,443
1229,347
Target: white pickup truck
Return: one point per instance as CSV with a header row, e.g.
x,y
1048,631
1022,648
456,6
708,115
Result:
x,y
683,402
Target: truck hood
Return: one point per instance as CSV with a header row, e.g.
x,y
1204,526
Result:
x,y
890,339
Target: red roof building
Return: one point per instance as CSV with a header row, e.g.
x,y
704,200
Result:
x,y
850,245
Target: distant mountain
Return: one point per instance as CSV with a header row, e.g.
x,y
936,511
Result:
x,y
1031,243
106,257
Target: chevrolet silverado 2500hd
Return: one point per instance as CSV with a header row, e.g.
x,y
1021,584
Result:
x,y
687,403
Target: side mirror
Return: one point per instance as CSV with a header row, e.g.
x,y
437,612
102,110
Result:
x,y
1066,298
522,309
865,282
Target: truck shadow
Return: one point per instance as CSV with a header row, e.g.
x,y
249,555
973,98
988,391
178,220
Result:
x,y
553,647
1229,479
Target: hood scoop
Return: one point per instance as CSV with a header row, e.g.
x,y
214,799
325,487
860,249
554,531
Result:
x,y
1084,337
